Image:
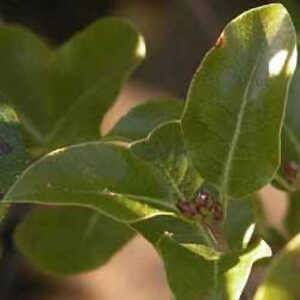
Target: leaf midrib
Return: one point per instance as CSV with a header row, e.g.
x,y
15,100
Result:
x,y
144,199
237,131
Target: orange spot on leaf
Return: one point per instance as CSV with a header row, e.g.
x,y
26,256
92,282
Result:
x,y
220,41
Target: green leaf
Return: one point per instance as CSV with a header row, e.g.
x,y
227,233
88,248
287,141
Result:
x,y
103,176
71,88
283,276
165,149
235,108
13,156
194,275
290,145
143,118
240,223
292,220
69,240
152,228
293,7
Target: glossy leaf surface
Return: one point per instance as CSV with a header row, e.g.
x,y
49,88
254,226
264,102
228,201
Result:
x,y
283,277
236,102
106,177
69,240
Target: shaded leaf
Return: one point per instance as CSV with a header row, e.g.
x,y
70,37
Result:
x,y
236,102
71,88
293,7
182,231
143,118
240,222
292,220
165,149
13,156
69,240
283,276
193,275
287,178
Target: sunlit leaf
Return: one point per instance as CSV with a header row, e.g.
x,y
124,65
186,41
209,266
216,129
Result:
x,y
283,276
103,176
235,108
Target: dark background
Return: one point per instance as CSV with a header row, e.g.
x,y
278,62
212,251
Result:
x,y
178,32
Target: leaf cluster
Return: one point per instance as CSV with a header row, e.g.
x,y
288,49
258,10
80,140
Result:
x,y
183,175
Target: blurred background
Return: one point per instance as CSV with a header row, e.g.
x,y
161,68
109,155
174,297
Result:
x,y
178,33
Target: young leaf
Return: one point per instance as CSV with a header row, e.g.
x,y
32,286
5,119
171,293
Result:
x,y
283,277
71,88
103,176
235,108
69,240
143,118
13,156
165,149
194,273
